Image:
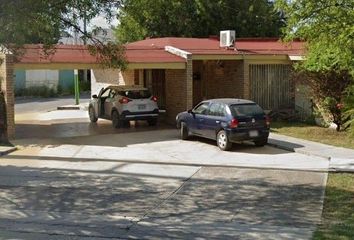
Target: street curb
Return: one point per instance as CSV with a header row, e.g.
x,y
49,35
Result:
x,y
68,108
304,152
7,151
72,107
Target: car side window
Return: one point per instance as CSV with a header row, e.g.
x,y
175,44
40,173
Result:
x,y
217,109
105,93
112,93
202,108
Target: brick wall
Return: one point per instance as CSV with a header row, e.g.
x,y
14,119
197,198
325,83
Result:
x,y
176,97
7,86
220,79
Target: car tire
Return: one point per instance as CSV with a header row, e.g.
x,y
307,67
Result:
x,y
126,124
184,131
261,142
116,122
152,122
92,115
223,141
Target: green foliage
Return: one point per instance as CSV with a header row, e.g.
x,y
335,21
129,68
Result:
x,y
329,90
85,86
328,28
36,91
349,109
33,21
337,217
198,18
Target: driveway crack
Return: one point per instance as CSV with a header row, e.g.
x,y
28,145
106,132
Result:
x,y
161,203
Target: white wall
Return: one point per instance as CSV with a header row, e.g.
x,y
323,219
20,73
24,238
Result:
x,y
49,78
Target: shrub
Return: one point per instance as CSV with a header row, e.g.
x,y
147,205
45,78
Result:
x,y
36,91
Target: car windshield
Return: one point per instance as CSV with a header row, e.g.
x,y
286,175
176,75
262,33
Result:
x,y
246,110
135,94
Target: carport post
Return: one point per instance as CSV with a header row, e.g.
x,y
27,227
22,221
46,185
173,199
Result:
x,y
76,87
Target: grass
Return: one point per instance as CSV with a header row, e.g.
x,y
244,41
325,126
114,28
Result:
x,y
314,133
338,209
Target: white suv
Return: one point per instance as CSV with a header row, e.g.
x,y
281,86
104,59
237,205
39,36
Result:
x,y
122,104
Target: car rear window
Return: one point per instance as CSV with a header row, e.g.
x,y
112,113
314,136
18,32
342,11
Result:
x,y
135,94
246,110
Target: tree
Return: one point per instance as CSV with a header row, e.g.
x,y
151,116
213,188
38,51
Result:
x,y
328,28
33,21
198,18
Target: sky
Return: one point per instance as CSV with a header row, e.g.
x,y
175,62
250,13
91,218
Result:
x,y
100,21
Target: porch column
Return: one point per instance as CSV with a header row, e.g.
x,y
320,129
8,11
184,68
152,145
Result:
x,y
7,87
246,80
189,82
188,85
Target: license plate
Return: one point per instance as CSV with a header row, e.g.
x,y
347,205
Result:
x,y
253,133
141,106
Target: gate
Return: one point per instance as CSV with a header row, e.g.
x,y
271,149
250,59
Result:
x,y
271,86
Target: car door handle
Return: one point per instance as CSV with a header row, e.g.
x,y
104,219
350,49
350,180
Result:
x,y
217,121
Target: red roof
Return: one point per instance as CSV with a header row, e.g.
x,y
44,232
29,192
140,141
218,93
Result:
x,y
62,54
153,50
201,46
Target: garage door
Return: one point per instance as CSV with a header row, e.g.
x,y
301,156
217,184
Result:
x,y
271,85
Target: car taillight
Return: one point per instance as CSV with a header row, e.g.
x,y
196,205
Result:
x,y
233,123
124,100
153,98
267,120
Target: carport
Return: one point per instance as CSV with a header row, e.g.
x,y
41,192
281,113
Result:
x,y
78,57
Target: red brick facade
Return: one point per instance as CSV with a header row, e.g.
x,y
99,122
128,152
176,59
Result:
x,y
7,86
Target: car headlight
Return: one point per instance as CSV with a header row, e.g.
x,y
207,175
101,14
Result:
x,y
176,117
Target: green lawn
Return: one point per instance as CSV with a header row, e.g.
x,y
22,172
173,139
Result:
x,y
338,209
314,133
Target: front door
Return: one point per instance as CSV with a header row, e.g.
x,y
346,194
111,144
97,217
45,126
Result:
x,y
154,80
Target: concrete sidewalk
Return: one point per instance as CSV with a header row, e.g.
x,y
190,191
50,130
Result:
x,y
341,159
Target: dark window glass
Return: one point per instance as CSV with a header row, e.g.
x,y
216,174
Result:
x,y
135,94
246,110
202,108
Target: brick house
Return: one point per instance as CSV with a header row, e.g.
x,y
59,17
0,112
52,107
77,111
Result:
x,y
184,71
179,71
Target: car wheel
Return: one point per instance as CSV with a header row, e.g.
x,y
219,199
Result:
x,y
184,131
116,122
152,122
261,142
126,124
92,115
223,141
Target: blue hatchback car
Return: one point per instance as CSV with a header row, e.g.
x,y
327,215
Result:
x,y
226,120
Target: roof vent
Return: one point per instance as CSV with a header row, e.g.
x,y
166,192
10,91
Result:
x,y
227,38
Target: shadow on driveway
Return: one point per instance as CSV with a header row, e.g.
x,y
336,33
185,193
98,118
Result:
x,y
214,203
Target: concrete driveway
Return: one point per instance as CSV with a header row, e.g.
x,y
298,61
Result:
x,y
145,183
